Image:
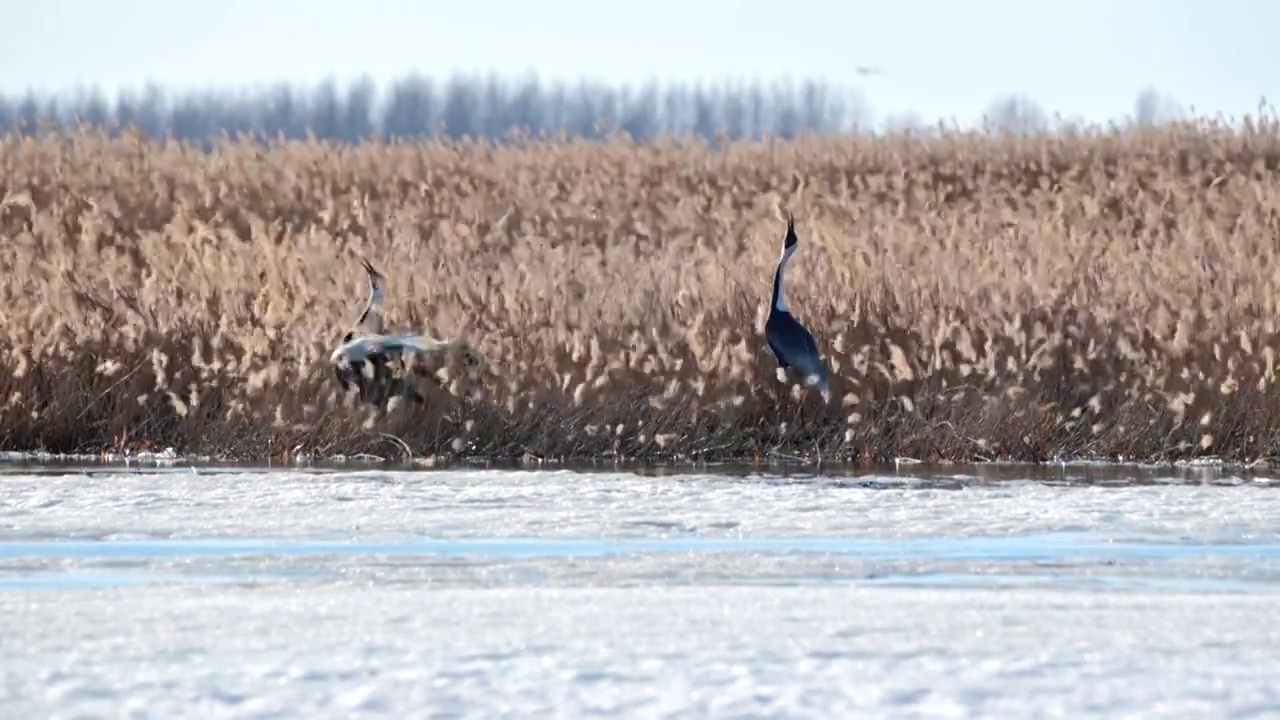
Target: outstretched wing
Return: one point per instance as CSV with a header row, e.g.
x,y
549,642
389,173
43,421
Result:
x,y
424,347
421,343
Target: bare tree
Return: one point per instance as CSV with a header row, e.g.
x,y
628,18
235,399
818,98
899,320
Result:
x,y
326,110
903,122
357,120
411,108
461,107
91,107
640,119
525,110
1017,114
1153,107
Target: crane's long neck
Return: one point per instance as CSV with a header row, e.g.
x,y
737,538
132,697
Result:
x,y
371,318
779,301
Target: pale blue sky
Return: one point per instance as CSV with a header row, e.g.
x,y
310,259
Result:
x,y
941,59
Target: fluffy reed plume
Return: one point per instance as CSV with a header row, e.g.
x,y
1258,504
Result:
x,y
1106,294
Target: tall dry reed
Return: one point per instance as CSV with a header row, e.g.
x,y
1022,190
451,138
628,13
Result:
x,y
1109,293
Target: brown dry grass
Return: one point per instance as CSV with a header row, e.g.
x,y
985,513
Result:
x,y
1106,294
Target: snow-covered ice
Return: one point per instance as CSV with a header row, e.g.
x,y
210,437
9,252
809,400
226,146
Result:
x,y
517,594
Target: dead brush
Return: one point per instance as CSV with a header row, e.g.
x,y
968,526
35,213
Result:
x,y
1111,296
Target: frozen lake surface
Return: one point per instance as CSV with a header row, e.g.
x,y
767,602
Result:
x,y
1023,592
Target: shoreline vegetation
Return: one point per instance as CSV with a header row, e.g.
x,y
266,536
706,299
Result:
x,y
1093,294
905,471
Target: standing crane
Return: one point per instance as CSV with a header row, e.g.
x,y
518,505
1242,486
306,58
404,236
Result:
x,y
792,344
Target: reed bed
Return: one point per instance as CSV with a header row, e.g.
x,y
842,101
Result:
x,y
1103,294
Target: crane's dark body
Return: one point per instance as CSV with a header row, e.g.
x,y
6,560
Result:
x,y
377,389
792,344
348,368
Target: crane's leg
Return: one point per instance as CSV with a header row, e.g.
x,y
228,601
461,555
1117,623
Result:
x,y
799,403
407,391
785,379
341,374
405,387
380,386
359,379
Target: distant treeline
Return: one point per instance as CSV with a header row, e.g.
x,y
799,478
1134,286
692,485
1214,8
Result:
x,y
476,106
489,106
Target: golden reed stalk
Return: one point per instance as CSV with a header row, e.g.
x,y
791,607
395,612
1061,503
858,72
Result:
x,y
1108,294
